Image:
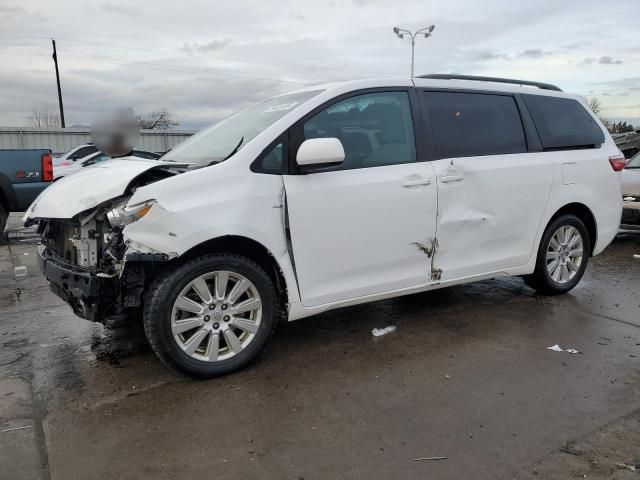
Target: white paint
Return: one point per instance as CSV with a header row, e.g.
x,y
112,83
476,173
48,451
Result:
x,y
319,151
489,211
630,180
354,232
88,188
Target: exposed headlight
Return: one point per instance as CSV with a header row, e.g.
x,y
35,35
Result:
x,y
123,214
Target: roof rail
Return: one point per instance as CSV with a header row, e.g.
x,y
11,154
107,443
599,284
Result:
x,y
446,76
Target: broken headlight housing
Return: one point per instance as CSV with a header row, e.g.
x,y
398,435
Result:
x,y
122,214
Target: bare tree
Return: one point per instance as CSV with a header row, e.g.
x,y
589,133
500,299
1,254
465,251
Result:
x,y
157,120
594,104
44,116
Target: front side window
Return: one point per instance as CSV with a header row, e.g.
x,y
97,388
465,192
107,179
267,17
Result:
x,y
375,129
225,138
563,123
473,124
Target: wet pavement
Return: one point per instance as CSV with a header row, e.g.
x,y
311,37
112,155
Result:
x,y
467,375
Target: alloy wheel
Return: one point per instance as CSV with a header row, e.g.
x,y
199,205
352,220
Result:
x,y
216,316
564,254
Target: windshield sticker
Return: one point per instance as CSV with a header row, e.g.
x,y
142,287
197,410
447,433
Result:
x,y
281,107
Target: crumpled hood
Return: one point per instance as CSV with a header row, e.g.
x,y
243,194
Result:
x,y
90,187
630,181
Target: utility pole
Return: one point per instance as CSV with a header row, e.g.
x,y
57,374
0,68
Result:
x,y
55,61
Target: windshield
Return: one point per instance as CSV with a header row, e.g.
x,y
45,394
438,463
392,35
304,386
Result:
x,y
222,140
634,162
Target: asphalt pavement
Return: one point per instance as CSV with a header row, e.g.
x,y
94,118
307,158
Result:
x,y
467,375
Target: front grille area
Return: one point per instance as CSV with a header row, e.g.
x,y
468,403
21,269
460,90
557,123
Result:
x,y
56,236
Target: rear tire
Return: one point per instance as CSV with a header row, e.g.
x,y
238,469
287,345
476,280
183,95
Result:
x,y
562,256
212,315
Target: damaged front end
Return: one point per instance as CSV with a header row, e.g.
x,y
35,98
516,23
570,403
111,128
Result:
x,y
85,261
88,262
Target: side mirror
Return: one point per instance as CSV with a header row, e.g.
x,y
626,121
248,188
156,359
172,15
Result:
x,y
316,151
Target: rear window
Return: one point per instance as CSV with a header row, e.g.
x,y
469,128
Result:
x,y
563,123
472,124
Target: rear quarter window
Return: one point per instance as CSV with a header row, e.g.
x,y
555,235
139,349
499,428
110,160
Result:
x,y
563,123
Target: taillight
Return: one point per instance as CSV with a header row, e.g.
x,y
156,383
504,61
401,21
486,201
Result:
x,y
617,163
47,168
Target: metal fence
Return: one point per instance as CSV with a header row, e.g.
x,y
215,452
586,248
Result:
x,y
61,140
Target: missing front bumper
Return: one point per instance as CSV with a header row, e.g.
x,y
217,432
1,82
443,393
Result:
x,y
86,292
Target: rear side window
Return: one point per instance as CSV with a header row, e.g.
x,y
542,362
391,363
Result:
x,y
563,123
83,152
471,124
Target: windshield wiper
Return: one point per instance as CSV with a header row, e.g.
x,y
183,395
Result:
x,y
235,150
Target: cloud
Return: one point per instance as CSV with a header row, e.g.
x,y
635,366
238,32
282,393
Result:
x,y
211,46
608,60
119,9
534,53
487,55
9,11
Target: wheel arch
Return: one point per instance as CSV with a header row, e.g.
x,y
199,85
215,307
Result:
x,y
585,214
249,248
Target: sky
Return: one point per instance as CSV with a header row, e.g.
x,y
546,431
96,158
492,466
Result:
x,y
205,59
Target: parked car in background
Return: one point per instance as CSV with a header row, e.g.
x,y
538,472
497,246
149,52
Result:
x,y
630,185
97,157
332,196
76,153
24,174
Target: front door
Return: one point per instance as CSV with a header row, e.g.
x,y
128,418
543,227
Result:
x,y
363,227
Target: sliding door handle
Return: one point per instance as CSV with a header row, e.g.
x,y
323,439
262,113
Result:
x,y
416,182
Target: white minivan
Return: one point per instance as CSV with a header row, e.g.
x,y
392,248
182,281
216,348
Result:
x,y
331,196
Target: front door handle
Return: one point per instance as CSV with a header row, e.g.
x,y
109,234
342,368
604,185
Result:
x,y
456,177
416,182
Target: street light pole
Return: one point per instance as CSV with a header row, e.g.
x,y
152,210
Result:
x,y
401,32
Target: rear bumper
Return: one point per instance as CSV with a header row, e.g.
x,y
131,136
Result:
x,y
86,292
630,216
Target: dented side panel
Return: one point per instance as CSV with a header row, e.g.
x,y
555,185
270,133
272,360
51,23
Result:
x,y
489,211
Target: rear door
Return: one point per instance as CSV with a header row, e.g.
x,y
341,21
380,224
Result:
x,y
362,228
493,185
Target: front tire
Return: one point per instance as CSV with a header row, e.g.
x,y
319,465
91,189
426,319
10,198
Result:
x,y
212,315
562,256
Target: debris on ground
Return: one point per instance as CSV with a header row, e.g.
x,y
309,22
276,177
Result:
x,y
624,466
557,348
571,449
20,271
15,428
428,459
378,332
